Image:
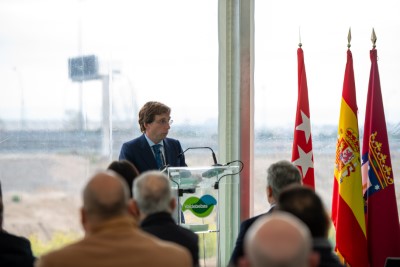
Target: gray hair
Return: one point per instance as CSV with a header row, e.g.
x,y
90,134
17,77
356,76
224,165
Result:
x,y
152,192
281,174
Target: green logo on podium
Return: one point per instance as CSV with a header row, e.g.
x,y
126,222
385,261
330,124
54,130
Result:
x,y
201,207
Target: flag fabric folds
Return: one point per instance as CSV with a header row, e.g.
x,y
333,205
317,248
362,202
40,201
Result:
x,y
382,221
347,199
302,154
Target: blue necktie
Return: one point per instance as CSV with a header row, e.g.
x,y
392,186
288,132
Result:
x,y
157,153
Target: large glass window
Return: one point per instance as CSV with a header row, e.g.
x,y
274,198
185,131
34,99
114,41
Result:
x,y
55,124
323,31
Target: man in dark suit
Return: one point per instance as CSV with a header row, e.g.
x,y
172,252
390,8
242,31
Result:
x,y
14,250
279,175
153,150
153,199
304,203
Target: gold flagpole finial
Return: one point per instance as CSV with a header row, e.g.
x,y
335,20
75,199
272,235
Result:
x,y
300,44
349,38
373,38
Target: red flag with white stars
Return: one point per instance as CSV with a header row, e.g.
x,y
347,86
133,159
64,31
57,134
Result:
x,y
302,155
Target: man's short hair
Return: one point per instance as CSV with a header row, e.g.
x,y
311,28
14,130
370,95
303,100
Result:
x,y
149,111
152,192
304,203
126,170
281,174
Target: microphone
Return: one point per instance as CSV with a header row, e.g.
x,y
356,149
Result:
x,y
212,172
202,147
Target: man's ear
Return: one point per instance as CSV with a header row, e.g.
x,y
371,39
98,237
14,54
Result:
x,y
172,204
84,219
270,196
133,209
243,262
269,191
314,259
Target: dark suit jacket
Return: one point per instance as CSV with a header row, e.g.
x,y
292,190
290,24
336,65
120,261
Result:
x,y
140,154
244,227
325,251
15,251
164,227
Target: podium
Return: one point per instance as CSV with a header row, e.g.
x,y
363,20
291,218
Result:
x,y
204,194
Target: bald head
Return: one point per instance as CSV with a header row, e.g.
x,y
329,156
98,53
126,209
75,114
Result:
x,y
105,196
152,192
278,239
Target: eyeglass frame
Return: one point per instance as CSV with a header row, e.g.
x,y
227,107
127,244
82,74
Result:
x,y
164,122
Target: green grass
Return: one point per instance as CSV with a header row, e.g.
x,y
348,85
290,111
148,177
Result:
x,y
58,240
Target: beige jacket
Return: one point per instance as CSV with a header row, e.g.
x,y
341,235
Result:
x,y
118,243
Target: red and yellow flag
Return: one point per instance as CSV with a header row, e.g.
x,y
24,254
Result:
x,y
302,154
347,200
382,221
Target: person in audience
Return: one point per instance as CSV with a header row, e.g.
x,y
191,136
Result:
x,y
304,203
153,150
14,250
126,170
112,237
280,239
279,175
152,195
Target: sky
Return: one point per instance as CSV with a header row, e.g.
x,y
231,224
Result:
x,y
168,51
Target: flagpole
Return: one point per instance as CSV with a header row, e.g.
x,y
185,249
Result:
x,y
300,44
349,39
373,38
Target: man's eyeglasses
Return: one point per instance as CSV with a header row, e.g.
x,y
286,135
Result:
x,y
164,122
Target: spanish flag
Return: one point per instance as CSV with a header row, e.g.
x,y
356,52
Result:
x,y
302,153
382,220
347,200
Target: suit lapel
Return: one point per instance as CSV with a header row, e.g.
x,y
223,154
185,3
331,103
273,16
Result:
x,y
147,154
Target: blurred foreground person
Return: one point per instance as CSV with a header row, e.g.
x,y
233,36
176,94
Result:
x,y
279,175
304,203
112,237
15,251
278,240
152,195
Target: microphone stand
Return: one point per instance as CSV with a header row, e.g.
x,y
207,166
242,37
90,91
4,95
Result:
x,y
202,147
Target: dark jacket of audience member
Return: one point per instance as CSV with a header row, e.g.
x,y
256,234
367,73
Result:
x,y
14,250
305,204
279,175
152,195
163,226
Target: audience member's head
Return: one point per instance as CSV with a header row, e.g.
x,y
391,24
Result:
x,y
106,196
279,239
152,193
127,170
279,175
304,203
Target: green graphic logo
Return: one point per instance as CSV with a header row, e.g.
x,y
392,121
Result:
x,y
200,207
